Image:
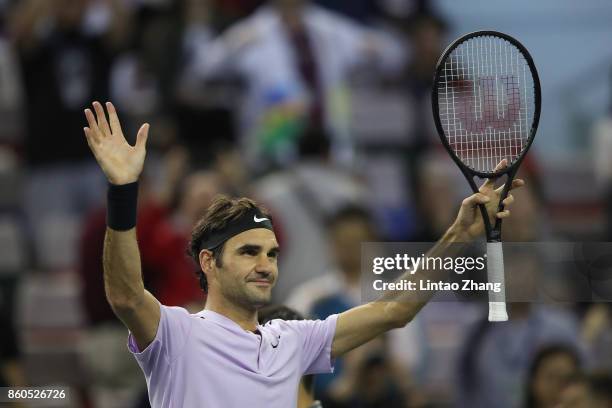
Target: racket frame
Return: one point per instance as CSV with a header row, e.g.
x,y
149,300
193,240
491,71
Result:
x,y
493,233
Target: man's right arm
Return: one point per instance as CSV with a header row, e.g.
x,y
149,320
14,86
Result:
x,y
134,306
122,164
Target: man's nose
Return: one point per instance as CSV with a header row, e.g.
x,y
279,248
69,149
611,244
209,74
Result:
x,y
264,264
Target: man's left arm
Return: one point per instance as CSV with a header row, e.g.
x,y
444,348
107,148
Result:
x,y
396,309
393,310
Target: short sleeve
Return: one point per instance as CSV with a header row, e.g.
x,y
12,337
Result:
x,y
316,337
172,334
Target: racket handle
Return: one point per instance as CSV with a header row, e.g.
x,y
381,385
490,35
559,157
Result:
x,y
495,272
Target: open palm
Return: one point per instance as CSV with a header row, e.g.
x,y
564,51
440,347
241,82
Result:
x,y
121,162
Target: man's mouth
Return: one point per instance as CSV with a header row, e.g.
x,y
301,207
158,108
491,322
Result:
x,y
261,282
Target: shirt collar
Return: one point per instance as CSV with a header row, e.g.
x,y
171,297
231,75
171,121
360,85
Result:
x,y
224,321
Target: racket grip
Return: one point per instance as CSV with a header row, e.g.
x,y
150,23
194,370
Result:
x,y
495,273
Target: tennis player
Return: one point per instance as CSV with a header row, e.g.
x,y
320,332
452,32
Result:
x,y
221,356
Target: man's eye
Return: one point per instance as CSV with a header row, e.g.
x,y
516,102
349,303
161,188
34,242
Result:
x,y
250,252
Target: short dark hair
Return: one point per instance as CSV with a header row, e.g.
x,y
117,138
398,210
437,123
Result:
x,y
221,211
349,212
540,357
271,312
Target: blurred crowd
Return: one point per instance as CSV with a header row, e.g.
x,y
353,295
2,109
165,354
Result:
x,y
318,109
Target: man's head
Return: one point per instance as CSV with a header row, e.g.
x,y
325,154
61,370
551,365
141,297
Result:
x,y
237,252
427,32
348,228
551,369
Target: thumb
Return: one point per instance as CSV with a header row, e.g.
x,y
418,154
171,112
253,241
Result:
x,y
490,182
142,136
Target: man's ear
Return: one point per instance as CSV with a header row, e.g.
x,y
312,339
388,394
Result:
x,y
206,261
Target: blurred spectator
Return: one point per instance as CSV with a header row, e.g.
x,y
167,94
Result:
x,y
496,357
228,12
11,369
425,35
164,250
302,199
602,151
362,11
348,228
596,333
371,378
590,391
295,58
11,92
146,81
438,177
339,289
231,170
550,372
65,49
394,126
305,390
141,76
12,257
405,8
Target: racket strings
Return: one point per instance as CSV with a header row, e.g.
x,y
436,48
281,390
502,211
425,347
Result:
x,y
486,102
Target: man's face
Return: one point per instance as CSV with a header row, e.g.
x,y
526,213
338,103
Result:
x,y
552,377
347,236
249,269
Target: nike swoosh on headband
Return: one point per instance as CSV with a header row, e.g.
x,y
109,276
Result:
x,y
259,219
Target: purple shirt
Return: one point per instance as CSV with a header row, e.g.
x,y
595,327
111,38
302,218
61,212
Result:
x,y
206,360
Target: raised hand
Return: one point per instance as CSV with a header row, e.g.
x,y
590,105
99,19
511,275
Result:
x,y
121,162
469,219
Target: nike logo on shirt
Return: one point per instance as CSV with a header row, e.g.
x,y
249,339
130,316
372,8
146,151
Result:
x,y
277,343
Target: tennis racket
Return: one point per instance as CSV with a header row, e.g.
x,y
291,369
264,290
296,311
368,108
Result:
x,y
486,103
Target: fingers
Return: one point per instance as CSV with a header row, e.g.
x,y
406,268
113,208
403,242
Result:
x,y
518,183
501,165
476,199
490,183
92,133
142,136
114,119
92,141
509,200
88,136
503,214
101,116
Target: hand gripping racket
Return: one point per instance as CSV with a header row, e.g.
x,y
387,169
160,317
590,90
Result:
x,y
486,104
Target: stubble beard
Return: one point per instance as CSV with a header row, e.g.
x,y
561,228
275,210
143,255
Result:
x,y
248,297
